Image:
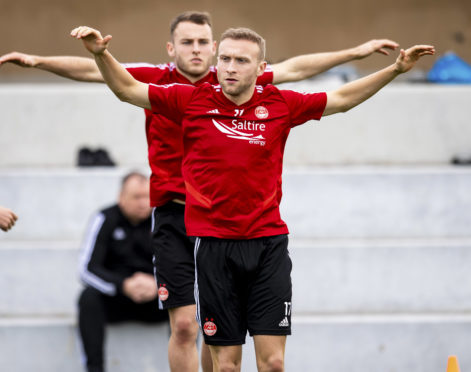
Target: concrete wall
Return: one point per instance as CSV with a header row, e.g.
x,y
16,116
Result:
x,y
45,125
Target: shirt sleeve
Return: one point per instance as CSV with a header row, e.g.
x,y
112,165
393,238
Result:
x,y
170,100
93,255
145,72
304,106
267,77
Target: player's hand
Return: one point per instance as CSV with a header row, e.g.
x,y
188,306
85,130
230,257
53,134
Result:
x,y
7,219
382,46
20,59
408,58
92,39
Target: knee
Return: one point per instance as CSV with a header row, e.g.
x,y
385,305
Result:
x,y
228,366
185,329
272,364
90,299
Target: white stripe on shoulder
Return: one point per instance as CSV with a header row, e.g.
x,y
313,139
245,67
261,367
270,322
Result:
x,y
139,65
86,254
269,68
171,85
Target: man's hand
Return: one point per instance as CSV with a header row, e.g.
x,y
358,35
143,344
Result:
x,y
408,58
20,59
7,218
372,46
92,39
140,287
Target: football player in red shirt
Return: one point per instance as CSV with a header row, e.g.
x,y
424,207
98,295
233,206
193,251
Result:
x,y
231,133
192,49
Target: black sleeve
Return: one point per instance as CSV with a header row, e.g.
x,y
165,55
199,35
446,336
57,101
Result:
x,y
93,255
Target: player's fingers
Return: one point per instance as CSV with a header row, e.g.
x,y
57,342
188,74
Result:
x,y
389,44
107,39
81,32
74,32
383,51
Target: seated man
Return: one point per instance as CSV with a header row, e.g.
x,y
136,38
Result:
x,y
116,267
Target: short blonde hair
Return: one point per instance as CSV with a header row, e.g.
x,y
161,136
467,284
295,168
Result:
x,y
242,33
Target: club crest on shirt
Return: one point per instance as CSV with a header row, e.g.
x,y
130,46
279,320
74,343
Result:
x,y
119,234
261,112
163,293
209,327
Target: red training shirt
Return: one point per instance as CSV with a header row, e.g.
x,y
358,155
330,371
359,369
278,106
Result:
x,y
233,155
164,138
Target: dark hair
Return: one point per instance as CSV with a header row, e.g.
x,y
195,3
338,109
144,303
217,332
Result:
x,y
246,34
200,18
130,175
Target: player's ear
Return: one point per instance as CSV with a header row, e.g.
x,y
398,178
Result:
x,y
170,49
214,47
261,68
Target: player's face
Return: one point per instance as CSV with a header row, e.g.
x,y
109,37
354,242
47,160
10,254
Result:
x,y
134,199
238,66
192,49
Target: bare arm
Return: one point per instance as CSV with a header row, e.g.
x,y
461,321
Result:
x,y
121,82
75,68
358,91
308,65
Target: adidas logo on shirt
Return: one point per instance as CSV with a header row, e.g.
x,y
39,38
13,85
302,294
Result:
x,y
215,111
284,323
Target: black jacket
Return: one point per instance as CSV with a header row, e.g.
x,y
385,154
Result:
x,y
114,249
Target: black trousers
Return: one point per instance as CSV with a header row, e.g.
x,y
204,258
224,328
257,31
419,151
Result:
x,y
96,310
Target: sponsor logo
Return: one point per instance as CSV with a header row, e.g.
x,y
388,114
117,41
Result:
x,y
215,111
209,327
119,234
234,132
261,112
284,323
163,293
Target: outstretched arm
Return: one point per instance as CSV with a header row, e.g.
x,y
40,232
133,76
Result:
x,y
308,65
75,68
358,91
123,85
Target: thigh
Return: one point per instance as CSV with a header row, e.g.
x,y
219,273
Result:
x,y
269,299
219,312
269,349
173,258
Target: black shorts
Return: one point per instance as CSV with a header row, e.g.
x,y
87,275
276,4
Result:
x,y
174,263
242,285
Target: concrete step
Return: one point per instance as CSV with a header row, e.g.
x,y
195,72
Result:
x,y
56,204
329,277
402,124
58,119
52,345
377,202
337,344
39,279
338,203
397,276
